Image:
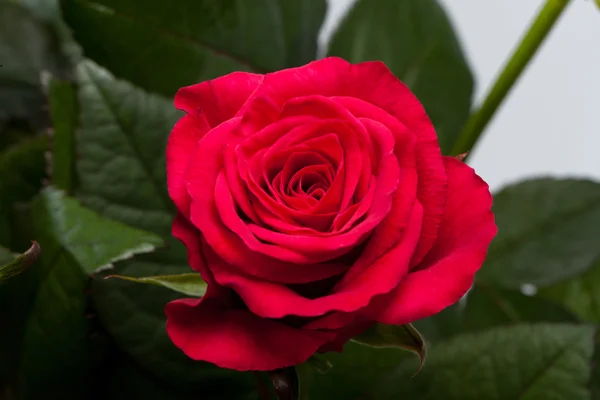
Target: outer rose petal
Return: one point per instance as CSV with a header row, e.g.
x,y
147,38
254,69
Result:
x,y
206,329
272,300
447,271
191,238
208,104
181,144
219,99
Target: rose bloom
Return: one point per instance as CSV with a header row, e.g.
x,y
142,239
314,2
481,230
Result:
x,y
315,202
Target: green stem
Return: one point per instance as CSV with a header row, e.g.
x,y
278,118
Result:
x,y
529,45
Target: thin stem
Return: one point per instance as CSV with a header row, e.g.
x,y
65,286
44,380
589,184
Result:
x,y
513,69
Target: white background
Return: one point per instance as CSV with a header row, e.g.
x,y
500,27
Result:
x,y
550,122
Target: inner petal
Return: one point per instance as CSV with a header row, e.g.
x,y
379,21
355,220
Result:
x,y
307,186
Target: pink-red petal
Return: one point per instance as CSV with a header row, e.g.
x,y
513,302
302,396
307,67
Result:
x,y
447,272
208,330
180,146
273,300
204,169
219,99
191,238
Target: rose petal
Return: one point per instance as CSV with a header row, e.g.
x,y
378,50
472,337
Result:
x,y
229,217
329,246
208,330
272,300
447,272
203,171
389,231
182,142
191,238
218,99
386,91
357,158
373,83
327,208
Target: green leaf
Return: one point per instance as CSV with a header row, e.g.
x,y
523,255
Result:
x,y
442,325
581,294
489,307
406,337
62,99
54,350
27,47
286,383
20,263
121,144
548,231
595,381
92,241
126,380
48,11
22,171
321,364
417,42
522,362
188,284
358,370
528,362
6,256
181,42
134,316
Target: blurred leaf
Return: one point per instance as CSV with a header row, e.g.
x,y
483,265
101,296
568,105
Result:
x,y
181,42
6,256
127,380
134,316
92,241
62,98
20,263
22,170
595,381
286,383
489,307
75,241
305,376
49,12
320,363
442,325
580,294
14,132
121,144
406,337
190,284
358,370
301,21
545,361
417,42
521,362
27,47
548,231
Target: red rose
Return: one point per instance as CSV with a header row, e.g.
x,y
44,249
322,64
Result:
x,y
315,202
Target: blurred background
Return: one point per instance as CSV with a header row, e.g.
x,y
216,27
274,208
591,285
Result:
x,y
550,123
